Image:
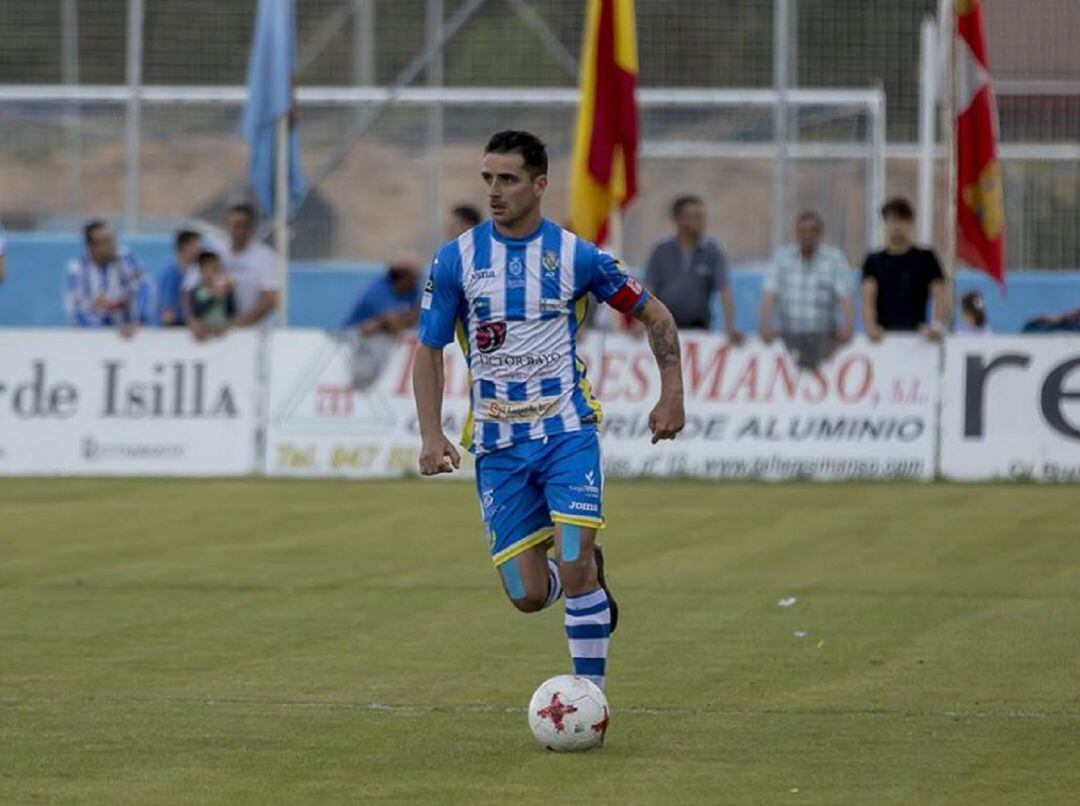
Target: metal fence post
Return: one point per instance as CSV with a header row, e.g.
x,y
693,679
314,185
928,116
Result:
x,y
434,143
781,81
133,131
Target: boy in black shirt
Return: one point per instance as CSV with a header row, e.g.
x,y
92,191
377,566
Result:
x,y
898,282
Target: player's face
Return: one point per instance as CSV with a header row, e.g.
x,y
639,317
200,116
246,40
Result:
x,y
899,231
512,193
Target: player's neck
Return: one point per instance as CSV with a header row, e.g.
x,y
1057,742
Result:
x,y
523,227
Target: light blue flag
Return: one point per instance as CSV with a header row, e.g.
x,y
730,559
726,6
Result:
x,y
269,79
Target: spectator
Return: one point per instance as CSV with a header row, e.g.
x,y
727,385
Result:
x,y
972,314
107,286
462,218
899,281
210,302
1062,323
685,270
390,304
252,267
179,276
812,284
3,253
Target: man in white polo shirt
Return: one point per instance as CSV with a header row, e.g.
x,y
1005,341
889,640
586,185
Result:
x,y
251,265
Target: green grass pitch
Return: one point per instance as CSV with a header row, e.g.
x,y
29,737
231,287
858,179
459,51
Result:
x,y
236,642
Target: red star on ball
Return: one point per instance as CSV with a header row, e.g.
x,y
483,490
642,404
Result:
x,y
555,711
601,726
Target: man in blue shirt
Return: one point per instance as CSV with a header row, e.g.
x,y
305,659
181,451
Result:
x,y
390,304
178,276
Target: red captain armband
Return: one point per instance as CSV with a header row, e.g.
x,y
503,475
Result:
x,y
627,297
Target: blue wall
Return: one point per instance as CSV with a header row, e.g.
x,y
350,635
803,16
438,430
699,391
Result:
x,y
321,294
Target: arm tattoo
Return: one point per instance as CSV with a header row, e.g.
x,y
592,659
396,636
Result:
x,y
664,341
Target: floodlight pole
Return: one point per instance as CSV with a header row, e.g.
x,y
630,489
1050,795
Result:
x,y
281,216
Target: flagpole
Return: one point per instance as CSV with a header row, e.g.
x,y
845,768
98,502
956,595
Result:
x,y
281,216
948,42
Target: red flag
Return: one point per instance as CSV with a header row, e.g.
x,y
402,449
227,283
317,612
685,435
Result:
x,y
604,171
980,202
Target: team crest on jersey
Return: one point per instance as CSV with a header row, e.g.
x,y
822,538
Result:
x,y
550,261
516,267
490,336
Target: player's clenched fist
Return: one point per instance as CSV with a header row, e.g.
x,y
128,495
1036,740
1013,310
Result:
x,y
438,456
666,420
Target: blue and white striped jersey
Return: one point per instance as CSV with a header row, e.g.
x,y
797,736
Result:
x,y
122,286
516,305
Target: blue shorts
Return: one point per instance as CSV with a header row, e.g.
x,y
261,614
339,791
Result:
x,y
527,488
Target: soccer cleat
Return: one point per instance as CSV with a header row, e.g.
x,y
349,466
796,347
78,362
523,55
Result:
x,y
599,552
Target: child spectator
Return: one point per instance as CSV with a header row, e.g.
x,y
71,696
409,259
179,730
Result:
x,y
972,314
210,303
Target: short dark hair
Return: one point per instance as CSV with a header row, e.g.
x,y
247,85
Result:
x,y
532,149
92,226
207,256
186,236
972,302
246,208
811,215
899,207
681,202
468,213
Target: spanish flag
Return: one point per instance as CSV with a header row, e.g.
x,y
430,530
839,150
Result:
x,y
980,204
604,170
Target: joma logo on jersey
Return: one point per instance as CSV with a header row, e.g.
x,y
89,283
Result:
x,y
550,261
483,274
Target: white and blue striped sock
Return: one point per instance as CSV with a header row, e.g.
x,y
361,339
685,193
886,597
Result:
x,y
554,584
588,627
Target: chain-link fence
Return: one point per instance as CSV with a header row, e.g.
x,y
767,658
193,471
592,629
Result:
x,y
64,156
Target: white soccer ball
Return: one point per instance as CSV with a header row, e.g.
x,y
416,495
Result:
x,y
568,713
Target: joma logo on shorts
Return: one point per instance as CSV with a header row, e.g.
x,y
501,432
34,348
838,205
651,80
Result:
x,y
584,507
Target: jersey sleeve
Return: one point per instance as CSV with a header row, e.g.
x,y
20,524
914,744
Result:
x,y
442,300
610,284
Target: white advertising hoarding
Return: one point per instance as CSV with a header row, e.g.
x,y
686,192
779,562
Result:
x,y
867,413
1011,408
320,425
90,403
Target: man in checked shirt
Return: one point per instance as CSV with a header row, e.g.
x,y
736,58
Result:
x,y
809,284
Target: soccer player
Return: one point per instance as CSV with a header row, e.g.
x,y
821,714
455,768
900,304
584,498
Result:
x,y
513,289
